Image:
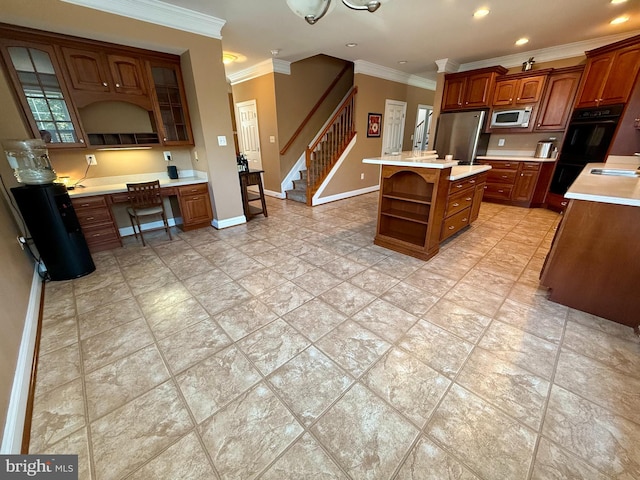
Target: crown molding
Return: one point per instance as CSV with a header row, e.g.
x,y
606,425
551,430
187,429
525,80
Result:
x,y
159,13
447,65
373,70
271,65
550,54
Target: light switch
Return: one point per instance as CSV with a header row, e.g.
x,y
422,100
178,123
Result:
x,y
222,141
272,139
501,142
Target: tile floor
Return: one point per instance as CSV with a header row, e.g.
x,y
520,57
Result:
x,y
293,348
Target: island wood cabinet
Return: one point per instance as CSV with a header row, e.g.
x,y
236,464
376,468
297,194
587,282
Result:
x,y
518,89
97,222
557,103
463,204
590,265
467,90
519,183
610,74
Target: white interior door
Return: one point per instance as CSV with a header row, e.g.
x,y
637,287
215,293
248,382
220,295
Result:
x,y
393,126
249,140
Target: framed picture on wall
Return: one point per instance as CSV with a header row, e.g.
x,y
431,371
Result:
x,y
374,126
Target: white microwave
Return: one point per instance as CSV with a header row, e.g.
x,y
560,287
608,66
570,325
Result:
x,y
512,118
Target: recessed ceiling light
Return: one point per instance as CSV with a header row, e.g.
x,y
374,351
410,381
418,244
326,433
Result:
x,y
228,58
402,62
618,1
522,41
351,45
618,20
481,12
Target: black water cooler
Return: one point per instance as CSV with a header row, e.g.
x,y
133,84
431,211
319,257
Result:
x,y
54,227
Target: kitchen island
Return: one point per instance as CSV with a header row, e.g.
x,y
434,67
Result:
x,y
425,200
594,261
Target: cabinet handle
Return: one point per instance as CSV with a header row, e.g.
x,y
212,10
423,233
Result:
x,y
96,234
456,204
105,84
164,139
472,182
564,204
84,205
468,199
507,164
117,85
89,218
500,191
458,186
465,219
539,124
505,176
451,227
81,140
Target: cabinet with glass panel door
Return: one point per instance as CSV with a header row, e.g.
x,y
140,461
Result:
x,y
34,70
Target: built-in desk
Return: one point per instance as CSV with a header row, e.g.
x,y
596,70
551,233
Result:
x,y
94,208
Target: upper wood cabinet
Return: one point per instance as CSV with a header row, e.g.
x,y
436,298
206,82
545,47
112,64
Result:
x,y
610,74
557,102
518,90
467,90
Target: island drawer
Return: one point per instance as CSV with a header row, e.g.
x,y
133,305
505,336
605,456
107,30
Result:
x,y
455,223
459,201
468,182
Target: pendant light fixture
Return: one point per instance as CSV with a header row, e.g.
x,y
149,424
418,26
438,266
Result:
x,y
314,10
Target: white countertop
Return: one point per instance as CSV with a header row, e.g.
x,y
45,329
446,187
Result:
x,y
462,171
515,158
107,185
426,159
606,188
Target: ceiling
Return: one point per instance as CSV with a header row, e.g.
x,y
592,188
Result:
x,y
416,31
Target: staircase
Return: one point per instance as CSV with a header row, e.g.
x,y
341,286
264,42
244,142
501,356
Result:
x,y
323,153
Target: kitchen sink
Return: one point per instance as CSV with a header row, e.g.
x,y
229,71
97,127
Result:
x,y
615,173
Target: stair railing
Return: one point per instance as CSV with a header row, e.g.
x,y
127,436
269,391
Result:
x,y
325,151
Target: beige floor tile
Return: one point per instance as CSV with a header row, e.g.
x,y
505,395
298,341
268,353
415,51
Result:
x,y
347,298
309,383
167,321
373,281
430,281
412,387
552,461
248,434
490,442
214,382
192,344
472,298
146,425
185,460
223,297
458,320
314,318
385,319
292,268
512,389
543,323
367,437
343,268
162,297
57,368
244,318
240,266
605,440
353,347
205,282
108,316
110,293
436,347
115,384
75,444
398,266
96,281
317,281
273,345
412,299
285,297
427,461
58,332
601,324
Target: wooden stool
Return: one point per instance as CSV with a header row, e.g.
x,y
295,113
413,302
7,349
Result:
x,y
252,177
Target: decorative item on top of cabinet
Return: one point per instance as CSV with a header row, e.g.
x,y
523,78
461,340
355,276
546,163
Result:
x,y
472,89
519,88
610,74
557,102
170,103
35,73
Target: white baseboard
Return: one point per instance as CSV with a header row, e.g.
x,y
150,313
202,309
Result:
x,y
16,413
272,193
342,196
229,222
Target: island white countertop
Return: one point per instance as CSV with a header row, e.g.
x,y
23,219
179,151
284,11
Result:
x,y
426,159
515,158
107,185
462,171
606,188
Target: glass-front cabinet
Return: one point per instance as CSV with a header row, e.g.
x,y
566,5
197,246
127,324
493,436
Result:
x,y
170,104
35,73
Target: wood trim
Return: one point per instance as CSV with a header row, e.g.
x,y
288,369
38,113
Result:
x,y
627,42
315,108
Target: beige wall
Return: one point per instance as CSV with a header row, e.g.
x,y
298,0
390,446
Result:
x,y
206,87
371,97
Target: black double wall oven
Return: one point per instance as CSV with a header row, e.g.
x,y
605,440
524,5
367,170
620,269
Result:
x,y
587,140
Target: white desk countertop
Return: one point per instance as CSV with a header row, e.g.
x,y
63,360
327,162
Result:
x,y
516,158
606,188
424,159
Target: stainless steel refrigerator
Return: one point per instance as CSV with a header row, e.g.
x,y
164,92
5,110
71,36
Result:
x,y
461,134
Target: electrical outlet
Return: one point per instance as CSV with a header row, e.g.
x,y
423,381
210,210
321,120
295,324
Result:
x,y
362,176
91,159
501,142
222,141
21,241
167,156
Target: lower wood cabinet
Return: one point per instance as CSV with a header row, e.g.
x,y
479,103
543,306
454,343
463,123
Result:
x,y
519,183
97,222
195,206
463,204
